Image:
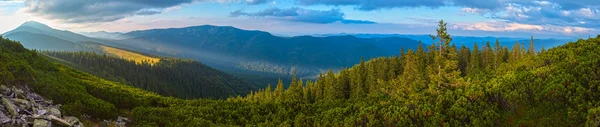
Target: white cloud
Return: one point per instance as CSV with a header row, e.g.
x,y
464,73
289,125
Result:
x,y
502,26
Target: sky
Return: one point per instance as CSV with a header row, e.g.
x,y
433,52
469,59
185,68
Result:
x,y
506,18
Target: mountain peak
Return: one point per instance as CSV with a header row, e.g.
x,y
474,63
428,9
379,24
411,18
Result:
x,y
35,24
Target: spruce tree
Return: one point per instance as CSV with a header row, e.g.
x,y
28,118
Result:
x,y
446,61
279,91
531,50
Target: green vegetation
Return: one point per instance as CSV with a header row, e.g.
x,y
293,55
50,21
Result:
x,y
439,86
180,78
138,58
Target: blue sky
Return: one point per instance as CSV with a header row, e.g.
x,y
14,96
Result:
x,y
511,18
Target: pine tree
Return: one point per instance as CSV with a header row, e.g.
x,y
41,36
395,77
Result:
x,y
412,75
447,59
515,52
463,60
543,50
475,62
294,91
343,85
531,50
498,53
268,93
330,84
279,91
489,56
358,80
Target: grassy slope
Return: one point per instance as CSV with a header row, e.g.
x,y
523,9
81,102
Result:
x,y
138,58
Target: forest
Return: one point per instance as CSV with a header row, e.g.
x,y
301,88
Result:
x,y
180,78
437,85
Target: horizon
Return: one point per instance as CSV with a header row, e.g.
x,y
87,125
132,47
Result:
x,y
541,19
292,35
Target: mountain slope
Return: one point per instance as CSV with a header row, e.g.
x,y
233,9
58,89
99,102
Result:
x,y
32,41
180,78
256,52
209,83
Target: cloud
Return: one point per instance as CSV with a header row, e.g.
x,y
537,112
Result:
x,y
82,11
302,15
255,2
369,5
502,26
574,13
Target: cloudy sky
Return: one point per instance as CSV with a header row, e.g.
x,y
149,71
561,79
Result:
x,y
512,18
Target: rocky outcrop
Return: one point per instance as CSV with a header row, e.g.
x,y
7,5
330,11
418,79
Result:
x,y
20,108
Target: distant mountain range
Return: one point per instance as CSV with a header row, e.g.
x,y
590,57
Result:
x,y
232,48
103,35
468,41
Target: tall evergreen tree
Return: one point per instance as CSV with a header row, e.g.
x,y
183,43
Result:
x,y
498,53
447,62
279,91
464,55
475,62
531,50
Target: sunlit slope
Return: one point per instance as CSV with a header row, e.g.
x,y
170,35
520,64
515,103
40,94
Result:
x,y
138,58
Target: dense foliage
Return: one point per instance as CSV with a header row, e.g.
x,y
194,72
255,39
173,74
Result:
x,y
489,85
169,77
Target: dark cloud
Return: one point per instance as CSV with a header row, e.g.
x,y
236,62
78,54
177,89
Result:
x,y
357,22
256,2
302,15
76,11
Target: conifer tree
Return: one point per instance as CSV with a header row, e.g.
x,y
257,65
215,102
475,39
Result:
x,y
498,53
475,62
463,60
489,56
446,61
531,50
268,91
343,85
358,80
279,91
515,52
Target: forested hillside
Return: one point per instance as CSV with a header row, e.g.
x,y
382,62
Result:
x,y
450,86
240,51
442,86
181,78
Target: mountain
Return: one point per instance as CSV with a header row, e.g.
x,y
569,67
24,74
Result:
x,y
257,52
184,78
102,35
32,40
39,28
35,35
468,41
